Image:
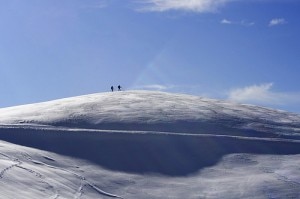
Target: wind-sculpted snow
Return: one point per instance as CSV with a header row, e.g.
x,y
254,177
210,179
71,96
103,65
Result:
x,y
157,111
152,145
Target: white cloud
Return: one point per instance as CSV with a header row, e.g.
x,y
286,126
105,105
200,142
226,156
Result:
x,y
225,21
277,21
263,95
242,23
186,5
260,93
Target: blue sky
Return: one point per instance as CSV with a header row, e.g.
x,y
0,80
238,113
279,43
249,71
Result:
x,y
245,51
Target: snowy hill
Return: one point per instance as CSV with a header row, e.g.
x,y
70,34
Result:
x,y
146,144
158,111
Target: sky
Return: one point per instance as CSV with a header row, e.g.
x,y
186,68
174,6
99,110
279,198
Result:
x,y
240,50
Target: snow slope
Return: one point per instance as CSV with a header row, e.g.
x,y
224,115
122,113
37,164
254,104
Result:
x,y
146,144
157,111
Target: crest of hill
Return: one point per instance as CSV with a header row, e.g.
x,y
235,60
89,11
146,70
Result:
x,y
155,111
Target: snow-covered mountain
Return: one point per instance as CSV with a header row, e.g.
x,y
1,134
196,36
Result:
x,y
148,144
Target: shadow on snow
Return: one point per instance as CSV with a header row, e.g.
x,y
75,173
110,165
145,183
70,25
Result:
x,y
173,155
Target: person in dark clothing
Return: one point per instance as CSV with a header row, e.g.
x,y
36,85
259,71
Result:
x,y
112,89
119,88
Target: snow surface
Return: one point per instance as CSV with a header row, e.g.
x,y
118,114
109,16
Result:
x,y
146,144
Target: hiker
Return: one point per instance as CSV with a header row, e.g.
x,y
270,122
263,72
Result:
x,y
119,88
112,89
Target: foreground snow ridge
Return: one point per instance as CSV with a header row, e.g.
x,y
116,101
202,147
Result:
x,y
147,144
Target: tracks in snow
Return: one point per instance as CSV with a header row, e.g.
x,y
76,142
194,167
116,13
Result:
x,y
7,169
83,182
79,192
17,163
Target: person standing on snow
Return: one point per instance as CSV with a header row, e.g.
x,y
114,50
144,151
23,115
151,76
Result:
x,y
112,89
119,88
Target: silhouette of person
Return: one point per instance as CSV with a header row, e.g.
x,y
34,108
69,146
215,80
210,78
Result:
x,y
112,89
119,87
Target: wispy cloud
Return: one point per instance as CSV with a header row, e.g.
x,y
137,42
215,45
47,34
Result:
x,y
98,5
262,94
254,93
242,23
246,23
277,21
157,87
226,21
200,6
